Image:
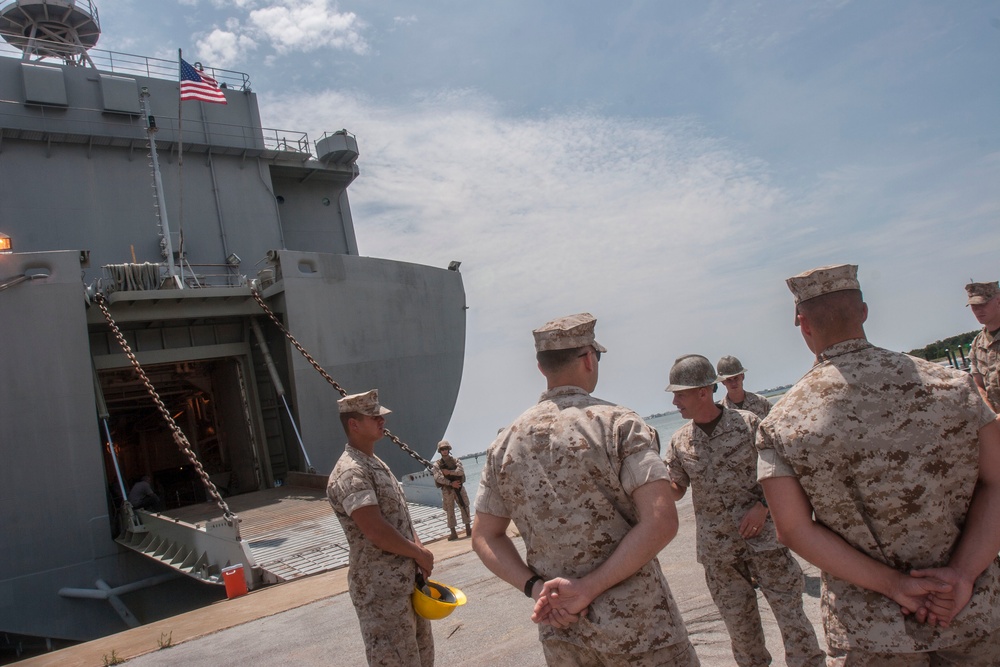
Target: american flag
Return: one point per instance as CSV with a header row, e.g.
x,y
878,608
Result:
x,y
197,85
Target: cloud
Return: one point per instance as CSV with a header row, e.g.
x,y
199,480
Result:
x,y
223,48
290,26
677,240
307,25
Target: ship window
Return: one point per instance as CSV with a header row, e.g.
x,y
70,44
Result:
x,y
281,200
326,201
44,85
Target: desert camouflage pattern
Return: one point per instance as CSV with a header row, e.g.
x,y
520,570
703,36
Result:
x,y
823,280
755,403
886,448
564,473
565,654
984,359
380,582
366,404
721,471
566,333
780,579
980,293
983,651
449,494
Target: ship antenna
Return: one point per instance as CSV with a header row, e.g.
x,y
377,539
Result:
x,y
63,29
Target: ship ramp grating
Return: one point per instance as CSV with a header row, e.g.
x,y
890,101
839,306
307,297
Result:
x,y
290,531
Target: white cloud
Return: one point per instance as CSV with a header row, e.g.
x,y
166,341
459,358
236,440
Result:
x,y
223,48
307,25
677,241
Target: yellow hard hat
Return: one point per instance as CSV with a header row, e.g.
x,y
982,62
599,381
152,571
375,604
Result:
x,y
434,600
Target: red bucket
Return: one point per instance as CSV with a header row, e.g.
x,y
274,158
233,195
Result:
x,y
236,584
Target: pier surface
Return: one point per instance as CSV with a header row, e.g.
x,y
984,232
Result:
x,y
311,621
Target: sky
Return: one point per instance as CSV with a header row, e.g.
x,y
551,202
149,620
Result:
x,y
663,165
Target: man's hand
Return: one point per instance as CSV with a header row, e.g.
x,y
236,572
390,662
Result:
x,y
425,561
911,594
753,522
456,485
941,606
561,603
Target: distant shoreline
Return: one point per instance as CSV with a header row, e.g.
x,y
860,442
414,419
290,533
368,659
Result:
x,y
768,393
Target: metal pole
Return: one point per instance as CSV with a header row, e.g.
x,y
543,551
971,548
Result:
x,y
278,386
158,184
102,412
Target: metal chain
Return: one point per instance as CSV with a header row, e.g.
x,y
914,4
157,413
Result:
x,y
179,438
274,318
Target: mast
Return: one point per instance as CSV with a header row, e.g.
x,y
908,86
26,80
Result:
x,y
161,210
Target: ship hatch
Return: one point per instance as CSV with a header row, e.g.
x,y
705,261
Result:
x,y
207,401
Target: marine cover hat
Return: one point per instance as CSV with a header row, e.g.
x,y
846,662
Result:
x,y
729,366
444,444
566,333
823,280
691,371
980,293
366,404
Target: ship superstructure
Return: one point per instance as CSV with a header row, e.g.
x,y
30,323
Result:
x,y
176,264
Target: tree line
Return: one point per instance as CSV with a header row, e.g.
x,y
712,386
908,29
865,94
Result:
x,y
936,350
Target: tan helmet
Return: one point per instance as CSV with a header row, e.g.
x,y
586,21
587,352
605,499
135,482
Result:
x,y
691,372
434,600
729,366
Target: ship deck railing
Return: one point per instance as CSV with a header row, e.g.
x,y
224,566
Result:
x,y
130,131
118,62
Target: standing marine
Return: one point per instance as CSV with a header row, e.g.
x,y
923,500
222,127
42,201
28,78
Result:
x,y
583,481
884,471
449,475
731,375
714,454
984,364
386,553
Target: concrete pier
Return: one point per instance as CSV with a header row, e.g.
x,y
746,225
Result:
x,y
311,621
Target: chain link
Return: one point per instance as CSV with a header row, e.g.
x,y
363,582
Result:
x,y
274,318
179,438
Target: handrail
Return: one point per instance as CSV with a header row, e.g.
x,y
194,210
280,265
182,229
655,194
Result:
x,y
118,62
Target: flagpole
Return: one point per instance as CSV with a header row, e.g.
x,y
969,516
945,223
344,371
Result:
x,y
180,170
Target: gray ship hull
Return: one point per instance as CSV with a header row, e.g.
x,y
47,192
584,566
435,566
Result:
x,y
255,206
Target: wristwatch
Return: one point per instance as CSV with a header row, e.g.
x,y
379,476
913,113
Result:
x,y
530,584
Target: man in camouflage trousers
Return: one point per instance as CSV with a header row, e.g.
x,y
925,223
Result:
x,y
984,364
731,375
450,478
884,471
714,454
385,550
583,482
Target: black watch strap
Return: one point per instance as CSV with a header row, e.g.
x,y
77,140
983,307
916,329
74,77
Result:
x,y
530,584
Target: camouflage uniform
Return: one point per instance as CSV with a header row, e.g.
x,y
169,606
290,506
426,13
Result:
x,y
755,403
886,448
721,471
380,582
984,359
449,494
564,472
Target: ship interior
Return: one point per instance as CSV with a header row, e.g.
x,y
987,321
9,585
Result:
x,y
208,401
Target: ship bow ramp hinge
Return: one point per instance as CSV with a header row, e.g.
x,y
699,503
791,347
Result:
x,y
201,551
